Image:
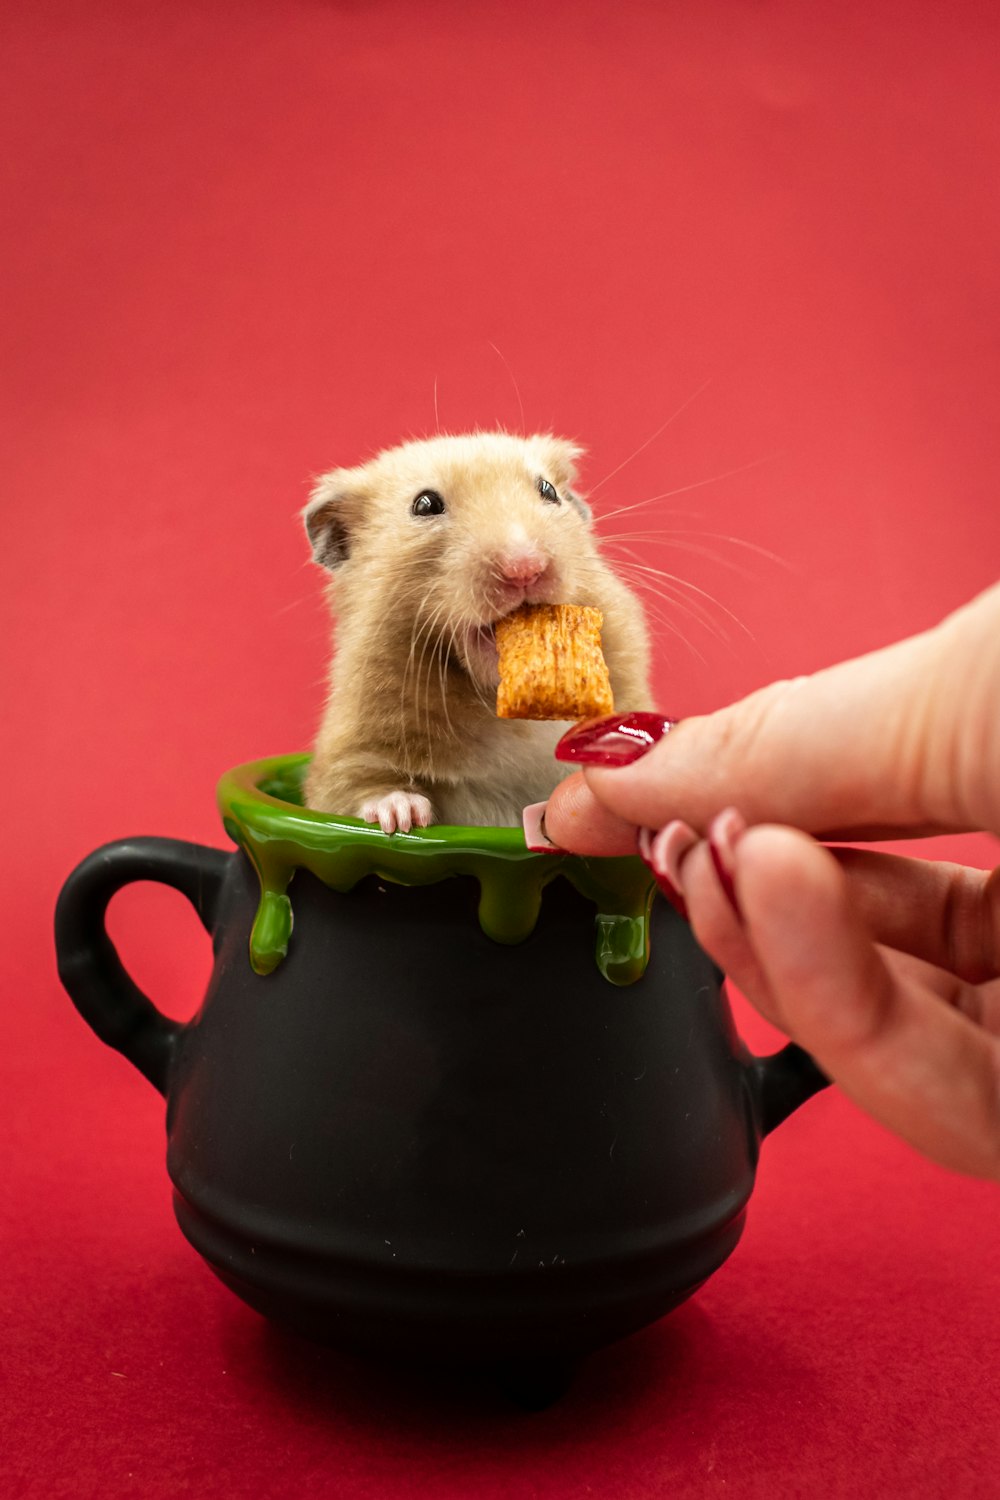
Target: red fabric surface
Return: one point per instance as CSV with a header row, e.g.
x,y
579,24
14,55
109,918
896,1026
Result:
x,y
246,243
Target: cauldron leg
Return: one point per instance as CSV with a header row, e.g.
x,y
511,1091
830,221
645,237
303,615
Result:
x,y
535,1384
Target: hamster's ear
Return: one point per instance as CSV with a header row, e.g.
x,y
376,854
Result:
x,y
580,503
328,518
561,457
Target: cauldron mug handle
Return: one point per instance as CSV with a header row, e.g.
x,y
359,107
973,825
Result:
x,y
110,1001
781,1082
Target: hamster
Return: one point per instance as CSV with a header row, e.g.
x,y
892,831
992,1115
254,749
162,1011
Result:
x,y
427,546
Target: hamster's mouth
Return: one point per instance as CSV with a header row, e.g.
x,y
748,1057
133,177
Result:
x,y
479,645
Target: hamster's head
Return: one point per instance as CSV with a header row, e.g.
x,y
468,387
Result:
x,y
450,534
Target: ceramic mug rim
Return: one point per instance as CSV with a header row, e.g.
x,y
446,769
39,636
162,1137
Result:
x,y
249,796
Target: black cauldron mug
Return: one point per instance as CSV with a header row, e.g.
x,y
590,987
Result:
x,y
481,1105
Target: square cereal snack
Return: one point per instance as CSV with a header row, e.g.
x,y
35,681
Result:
x,y
551,664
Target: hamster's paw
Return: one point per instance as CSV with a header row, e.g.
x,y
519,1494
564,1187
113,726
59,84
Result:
x,y
398,811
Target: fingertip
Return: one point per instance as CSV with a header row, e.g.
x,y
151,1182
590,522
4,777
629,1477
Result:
x,y
718,928
820,962
578,823
533,826
645,791
777,868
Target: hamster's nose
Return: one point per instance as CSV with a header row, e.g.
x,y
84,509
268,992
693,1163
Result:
x,y
522,567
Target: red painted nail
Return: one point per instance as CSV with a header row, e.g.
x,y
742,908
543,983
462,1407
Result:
x,y
617,740
651,846
672,895
723,835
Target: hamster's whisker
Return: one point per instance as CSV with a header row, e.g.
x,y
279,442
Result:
x,y
665,616
693,588
655,539
685,489
673,510
677,602
431,646
662,428
510,372
424,639
444,657
739,541
422,628
668,537
752,575
490,705
421,635
670,586
624,510
309,598
477,690
661,616
414,635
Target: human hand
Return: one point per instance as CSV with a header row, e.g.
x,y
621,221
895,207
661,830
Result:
x,y
886,969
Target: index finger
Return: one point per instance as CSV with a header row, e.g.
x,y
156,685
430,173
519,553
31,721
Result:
x,y
886,745
579,821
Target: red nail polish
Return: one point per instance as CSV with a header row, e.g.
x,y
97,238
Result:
x,y
663,882
722,837
725,879
672,894
617,740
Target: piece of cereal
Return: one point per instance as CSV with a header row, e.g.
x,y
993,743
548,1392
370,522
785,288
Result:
x,y
551,664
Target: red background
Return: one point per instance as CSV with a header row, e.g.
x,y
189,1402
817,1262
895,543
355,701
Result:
x,y
245,243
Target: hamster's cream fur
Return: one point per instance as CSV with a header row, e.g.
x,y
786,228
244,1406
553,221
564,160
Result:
x,y
410,734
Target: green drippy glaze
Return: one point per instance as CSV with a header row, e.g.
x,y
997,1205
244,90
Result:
x,y
261,806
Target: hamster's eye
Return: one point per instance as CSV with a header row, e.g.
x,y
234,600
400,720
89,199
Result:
x,y
427,503
548,492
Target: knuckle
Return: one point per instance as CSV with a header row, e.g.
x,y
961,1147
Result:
x,y
970,919
741,728
747,743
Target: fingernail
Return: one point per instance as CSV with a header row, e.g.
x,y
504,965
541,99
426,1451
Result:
x,y
535,837
617,740
664,852
723,836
